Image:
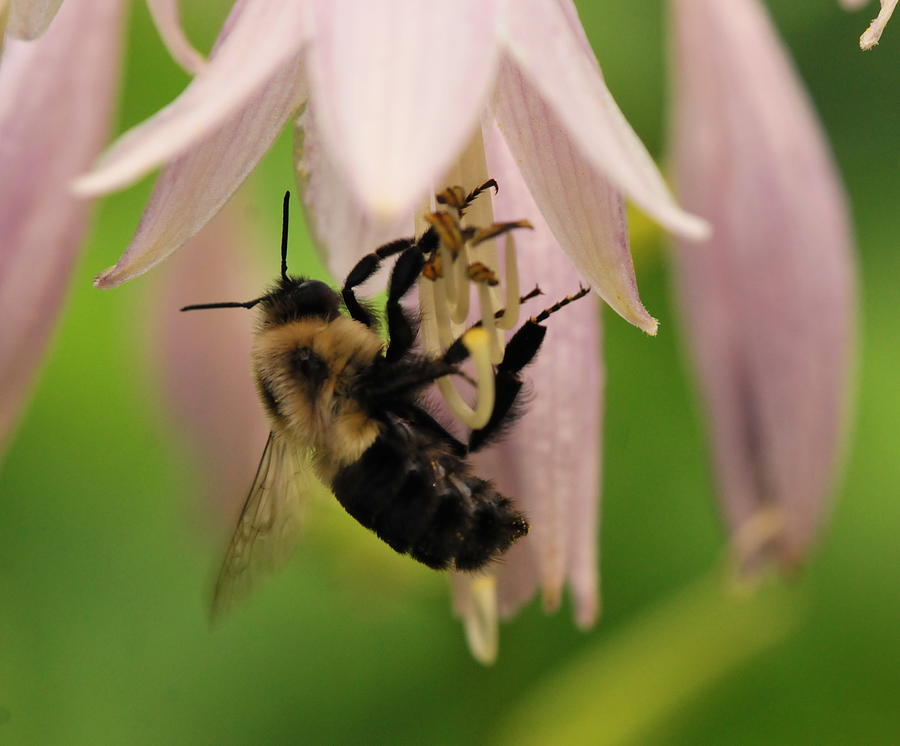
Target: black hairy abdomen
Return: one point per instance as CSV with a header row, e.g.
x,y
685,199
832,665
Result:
x,y
422,500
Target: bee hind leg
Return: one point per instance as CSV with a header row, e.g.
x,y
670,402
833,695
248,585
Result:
x,y
520,351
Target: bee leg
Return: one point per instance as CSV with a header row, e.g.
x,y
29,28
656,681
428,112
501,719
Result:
x,y
473,195
456,198
402,327
364,269
520,351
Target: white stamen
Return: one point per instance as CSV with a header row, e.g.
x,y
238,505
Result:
x,y
460,311
442,317
480,617
872,34
488,322
453,287
510,315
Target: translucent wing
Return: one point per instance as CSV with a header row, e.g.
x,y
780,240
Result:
x,y
267,529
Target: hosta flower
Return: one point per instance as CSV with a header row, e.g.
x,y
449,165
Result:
x,y
53,120
28,19
768,300
873,33
390,101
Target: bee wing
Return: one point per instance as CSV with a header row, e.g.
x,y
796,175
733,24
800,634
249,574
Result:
x,y
269,524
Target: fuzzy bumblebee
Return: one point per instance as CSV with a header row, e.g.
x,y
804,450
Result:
x,y
348,407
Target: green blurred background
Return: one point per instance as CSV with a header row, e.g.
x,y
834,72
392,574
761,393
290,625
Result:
x,y
105,565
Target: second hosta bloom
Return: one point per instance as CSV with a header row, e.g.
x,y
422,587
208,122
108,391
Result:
x,y
54,116
768,300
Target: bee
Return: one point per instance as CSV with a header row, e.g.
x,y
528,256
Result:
x,y
347,407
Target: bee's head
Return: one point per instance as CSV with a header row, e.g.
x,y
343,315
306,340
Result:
x,y
291,298
295,298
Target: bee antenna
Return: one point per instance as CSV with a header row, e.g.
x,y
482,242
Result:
x,y
228,304
284,233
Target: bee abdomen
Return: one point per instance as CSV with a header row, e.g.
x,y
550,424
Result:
x,y
427,505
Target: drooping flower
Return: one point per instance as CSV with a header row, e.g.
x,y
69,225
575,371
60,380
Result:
x,y
54,117
768,300
380,131
28,19
872,34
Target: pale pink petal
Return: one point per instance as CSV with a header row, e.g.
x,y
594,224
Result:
x,y
585,213
165,16
549,48
342,230
399,86
768,301
28,19
872,34
194,186
853,4
265,39
202,357
54,116
550,462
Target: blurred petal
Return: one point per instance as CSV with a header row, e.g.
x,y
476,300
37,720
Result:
x,y
872,34
202,357
853,4
165,16
399,85
550,461
768,301
342,229
585,213
193,187
546,44
28,19
263,42
54,117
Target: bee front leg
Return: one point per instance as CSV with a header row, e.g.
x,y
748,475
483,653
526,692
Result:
x,y
364,269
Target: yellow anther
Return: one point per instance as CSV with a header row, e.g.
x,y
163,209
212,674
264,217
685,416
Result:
x,y
481,273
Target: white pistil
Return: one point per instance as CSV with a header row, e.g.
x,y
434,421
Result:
x,y
477,342
872,34
445,334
